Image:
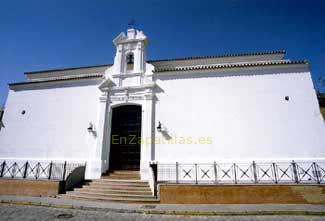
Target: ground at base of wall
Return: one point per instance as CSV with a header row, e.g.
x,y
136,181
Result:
x,y
23,212
241,194
44,188
166,209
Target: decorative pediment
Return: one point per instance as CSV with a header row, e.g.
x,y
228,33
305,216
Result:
x,y
106,83
119,38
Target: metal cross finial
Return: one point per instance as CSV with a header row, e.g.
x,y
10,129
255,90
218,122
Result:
x,y
131,23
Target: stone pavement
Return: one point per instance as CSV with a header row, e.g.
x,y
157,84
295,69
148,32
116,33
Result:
x,y
37,213
169,209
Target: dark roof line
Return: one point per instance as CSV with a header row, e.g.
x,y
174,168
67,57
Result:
x,y
191,68
223,66
221,56
169,59
56,79
67,69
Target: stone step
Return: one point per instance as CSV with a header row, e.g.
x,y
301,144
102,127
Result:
x,y
122,174
125,188
121,177
111,199
125,172
115,191
121,195
118,184
119,181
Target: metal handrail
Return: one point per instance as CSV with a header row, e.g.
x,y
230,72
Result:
x,y
242,173
37,170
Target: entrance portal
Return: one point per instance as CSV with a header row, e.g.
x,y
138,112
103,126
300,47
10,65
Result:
x,y
125,138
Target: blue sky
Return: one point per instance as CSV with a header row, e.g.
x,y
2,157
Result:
x,y
38,35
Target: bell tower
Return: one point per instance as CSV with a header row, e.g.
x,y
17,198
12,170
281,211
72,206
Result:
x,y
130,52
129,81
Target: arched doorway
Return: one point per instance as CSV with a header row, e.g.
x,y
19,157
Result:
x,y
125,138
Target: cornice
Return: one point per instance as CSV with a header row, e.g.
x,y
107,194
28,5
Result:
x,y
68,69
164,60
220,56
126,75
50,80
140,87
226,66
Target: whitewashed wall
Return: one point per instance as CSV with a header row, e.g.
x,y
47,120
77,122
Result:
x,y
244,112
55,123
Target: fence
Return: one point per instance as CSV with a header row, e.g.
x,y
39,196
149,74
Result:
x,y
236,173
37,170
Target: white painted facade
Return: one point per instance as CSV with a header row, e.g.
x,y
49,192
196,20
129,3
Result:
x,y
233,108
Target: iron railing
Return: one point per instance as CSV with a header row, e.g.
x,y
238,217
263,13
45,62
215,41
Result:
x,y
37,170
245,173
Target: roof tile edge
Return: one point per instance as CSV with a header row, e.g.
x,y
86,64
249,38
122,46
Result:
x,y
221,56
222,66
165,60
55,80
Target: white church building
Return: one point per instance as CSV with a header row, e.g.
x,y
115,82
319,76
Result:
x,y
229,108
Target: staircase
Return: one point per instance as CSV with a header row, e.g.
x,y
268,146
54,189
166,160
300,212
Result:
x,y
120,186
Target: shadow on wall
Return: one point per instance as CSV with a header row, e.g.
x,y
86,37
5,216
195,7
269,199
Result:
x,y
321,101
1,116
166,135
75,179
1,125
163,130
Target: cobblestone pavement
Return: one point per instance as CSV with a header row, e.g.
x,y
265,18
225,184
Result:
x,y
27,213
